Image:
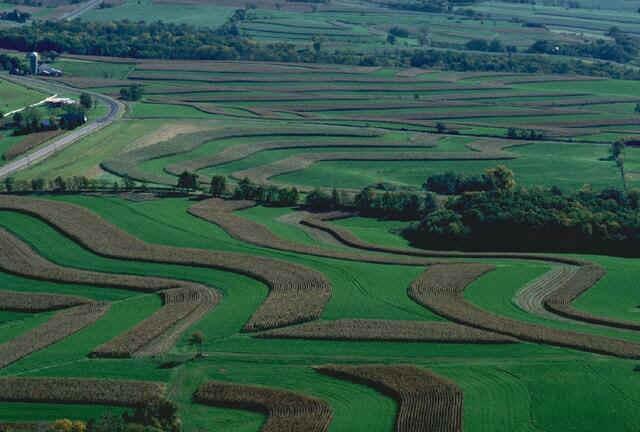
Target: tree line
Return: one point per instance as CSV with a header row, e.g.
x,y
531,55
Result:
x,y
185,42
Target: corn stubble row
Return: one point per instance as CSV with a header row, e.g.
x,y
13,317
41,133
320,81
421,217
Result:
x,y
125,393
387,330
285,410
37,302
155,334
426,401
441,287
297,293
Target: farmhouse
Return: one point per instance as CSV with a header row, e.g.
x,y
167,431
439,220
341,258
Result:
x,y
57,102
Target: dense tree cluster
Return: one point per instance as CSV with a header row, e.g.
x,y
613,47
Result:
x,y
157,416
451,183
269,195
180,41
16,16
535,220
525,134
622,47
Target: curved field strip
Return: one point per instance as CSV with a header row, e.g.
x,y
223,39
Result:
x,y
220,212
158,333
441,289
386,330
183,302
262,174
128,163
237,152
426,401
297,293
531,297
285,410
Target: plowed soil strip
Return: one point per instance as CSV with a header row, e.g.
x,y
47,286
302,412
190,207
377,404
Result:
x,y
285,410
441,289
426,401
387,330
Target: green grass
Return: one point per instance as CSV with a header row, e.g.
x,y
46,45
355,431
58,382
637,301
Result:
x,y
208,15
14,96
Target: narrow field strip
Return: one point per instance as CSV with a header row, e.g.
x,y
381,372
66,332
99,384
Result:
x,y
220,212
36,302
285,410
80,391
297,293
128,163
531,297
387,330
156,334
441,289
63,324
426,401
262,174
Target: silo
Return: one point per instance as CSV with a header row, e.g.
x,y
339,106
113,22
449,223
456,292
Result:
x,y
34,60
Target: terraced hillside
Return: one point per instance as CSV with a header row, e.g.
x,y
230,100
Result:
x,y
392,338
348,127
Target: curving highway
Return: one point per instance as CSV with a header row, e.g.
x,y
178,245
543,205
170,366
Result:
x,y
116,109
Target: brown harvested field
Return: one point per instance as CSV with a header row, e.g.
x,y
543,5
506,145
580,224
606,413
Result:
x,y
80,391
29,142
426,401
297,293
441,289
154,335
285,410
63,324
387,330
531,297
36,302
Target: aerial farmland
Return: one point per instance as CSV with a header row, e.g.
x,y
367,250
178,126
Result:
x,y
319,215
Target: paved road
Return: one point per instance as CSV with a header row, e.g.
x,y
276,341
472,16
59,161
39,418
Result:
x,y
84,7
116,109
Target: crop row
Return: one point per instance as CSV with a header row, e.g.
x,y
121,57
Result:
x,y
63,324
285,410
181,304
80,391
426,401
441,289
37,302
387,330
297,293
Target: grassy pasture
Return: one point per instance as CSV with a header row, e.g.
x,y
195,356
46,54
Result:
x,y
13,96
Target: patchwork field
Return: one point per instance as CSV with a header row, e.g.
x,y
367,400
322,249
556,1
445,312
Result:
x,y
349,127
494,377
